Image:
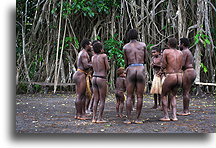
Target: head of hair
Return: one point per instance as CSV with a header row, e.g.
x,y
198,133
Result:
x,y
132,34
85,42
156,49
120,71
185,42
95,41
97,47
172,42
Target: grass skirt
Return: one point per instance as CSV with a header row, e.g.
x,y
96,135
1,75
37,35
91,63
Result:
x,y
156,85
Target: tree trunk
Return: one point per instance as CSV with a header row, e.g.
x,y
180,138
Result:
x,y
197,54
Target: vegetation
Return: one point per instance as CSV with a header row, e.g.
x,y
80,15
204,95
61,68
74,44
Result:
x,y
48,33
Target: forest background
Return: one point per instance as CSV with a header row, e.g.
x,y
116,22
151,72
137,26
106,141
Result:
x,y
49,32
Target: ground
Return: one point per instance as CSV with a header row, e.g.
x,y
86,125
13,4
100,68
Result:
x,y
53,113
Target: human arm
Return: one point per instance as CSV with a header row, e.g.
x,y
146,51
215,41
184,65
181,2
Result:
x,y
85,62
125,58
106,62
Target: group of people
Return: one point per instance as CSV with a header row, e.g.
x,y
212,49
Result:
x,y
172,69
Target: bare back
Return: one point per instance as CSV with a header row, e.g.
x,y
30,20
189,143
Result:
x,y
120,84
156,63
172,60
100,65
135,53
188,60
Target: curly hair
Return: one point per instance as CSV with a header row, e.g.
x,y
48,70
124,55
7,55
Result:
x,y
120,71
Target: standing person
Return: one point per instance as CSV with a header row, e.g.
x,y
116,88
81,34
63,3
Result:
x,y
172,66
189,74
157,80
79,77
99,82
90,99
119,92
135,58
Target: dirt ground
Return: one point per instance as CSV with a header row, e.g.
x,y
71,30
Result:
x,y
53,113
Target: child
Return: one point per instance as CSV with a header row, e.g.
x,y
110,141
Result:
x,y
99,83
156,88
119,92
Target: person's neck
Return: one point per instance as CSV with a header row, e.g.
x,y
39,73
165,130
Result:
x,y
134,40
185,48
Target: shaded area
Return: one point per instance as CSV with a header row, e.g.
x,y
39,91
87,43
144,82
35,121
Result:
x,y
53,113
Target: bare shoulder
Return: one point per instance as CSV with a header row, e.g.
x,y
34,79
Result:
x,y
180,52
125,46
85,54
166,51
103,55
142,44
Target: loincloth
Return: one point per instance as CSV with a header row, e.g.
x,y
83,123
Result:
x,y
88,88
102,77
156,85
80,70
179,76
136,65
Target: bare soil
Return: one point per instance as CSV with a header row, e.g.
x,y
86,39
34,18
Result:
x,y
54,113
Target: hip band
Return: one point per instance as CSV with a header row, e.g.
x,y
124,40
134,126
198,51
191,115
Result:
x,y
136,65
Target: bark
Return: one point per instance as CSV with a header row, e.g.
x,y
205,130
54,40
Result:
x,y
197,55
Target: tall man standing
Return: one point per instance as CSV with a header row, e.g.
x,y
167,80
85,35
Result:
x,y
172,66
135,58
189,74
79,77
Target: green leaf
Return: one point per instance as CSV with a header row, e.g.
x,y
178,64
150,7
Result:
x,y
207,41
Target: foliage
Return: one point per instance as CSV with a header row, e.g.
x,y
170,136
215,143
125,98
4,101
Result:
x,y
205,69
88,8
113,48
149,46
201,37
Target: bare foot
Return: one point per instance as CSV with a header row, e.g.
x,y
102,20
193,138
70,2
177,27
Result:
x,y
164,119
83,118
138,122
93,121
127,122
174,119
117,115
101,121
183,114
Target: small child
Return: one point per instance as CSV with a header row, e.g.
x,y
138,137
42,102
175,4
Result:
x,y
156,88
119,92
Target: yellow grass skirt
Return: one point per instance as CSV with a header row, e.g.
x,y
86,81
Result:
x,y
156,85
88,88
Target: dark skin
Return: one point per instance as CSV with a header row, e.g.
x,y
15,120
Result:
x,y
135,53
156,64
90,102
120,89
100,67
172,64
79,78
189,75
